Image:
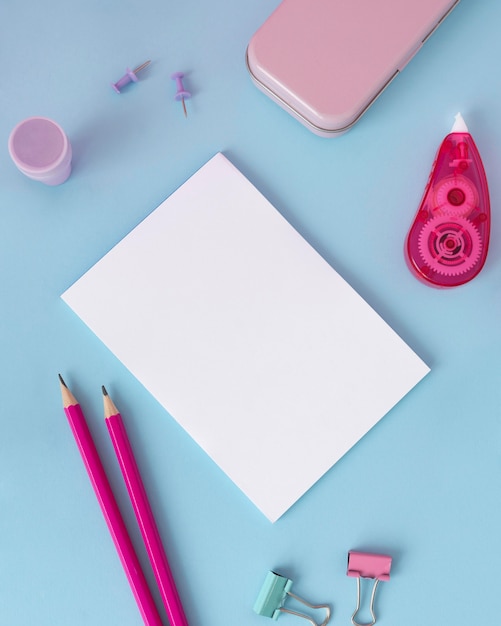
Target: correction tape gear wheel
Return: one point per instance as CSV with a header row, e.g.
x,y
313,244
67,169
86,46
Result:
x,y
450,246
455,196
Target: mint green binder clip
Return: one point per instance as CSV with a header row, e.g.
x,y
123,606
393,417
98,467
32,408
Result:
x,y
274,593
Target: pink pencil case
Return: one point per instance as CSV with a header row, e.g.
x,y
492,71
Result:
x,y
326,61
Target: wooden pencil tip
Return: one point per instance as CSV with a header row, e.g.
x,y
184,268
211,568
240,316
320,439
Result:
x,y
109,408
68,397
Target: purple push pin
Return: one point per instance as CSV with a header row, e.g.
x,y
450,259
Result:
x,y
181,93
129,76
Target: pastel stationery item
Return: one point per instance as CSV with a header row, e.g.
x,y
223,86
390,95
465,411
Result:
x,y
273,595
448,241
181,93
41,150
246,335
326,61
130,76
144,514
368,565
109,508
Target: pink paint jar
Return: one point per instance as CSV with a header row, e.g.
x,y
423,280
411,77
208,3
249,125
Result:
x,y
40,149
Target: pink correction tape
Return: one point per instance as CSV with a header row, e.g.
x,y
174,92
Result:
x,y
41,150
448,241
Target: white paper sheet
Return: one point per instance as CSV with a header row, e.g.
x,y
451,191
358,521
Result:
x,y
246,336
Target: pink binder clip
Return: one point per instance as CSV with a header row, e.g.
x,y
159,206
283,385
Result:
x,y
367,565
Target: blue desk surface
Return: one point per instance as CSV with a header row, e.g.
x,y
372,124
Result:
x,y
423,485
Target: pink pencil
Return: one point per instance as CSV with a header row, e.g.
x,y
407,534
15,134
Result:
x,y
109,507
144,514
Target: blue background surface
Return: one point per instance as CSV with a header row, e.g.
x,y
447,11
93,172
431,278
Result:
x,y
423,485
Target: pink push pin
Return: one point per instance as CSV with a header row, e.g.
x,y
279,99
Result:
x,y
367,565
129,76
181,93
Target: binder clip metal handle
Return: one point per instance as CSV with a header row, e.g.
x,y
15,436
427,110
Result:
x,y
366,565
274,593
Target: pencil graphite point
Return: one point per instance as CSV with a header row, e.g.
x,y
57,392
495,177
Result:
x,y
68,397
109,406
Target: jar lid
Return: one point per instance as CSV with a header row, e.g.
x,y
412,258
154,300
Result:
x,y
38,145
